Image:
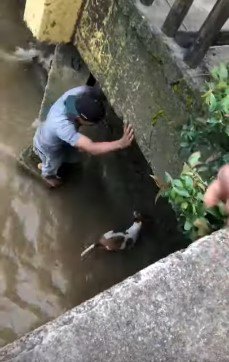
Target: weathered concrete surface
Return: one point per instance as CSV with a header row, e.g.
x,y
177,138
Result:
x,y
175,310
52,20
67,71
143,75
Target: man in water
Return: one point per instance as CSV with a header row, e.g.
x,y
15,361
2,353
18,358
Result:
x,y
58,140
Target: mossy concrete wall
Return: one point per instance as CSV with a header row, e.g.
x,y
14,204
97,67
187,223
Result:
x,y
140,76
52,20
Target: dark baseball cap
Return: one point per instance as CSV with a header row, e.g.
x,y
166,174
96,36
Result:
x,y
85,106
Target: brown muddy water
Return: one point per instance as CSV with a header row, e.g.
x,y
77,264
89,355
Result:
x,y
43,232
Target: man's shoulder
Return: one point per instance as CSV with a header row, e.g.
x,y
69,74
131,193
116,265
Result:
x,y
76,91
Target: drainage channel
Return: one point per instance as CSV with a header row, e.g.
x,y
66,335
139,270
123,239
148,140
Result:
x,y
43,232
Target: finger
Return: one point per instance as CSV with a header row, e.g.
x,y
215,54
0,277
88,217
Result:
x,y
129,131
131,138
223,177
211,197
129,127
125,126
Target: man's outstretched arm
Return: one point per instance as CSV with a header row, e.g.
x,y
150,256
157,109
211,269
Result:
x,y
85,144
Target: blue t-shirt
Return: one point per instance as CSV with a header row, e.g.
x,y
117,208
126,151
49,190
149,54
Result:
x,y
57,129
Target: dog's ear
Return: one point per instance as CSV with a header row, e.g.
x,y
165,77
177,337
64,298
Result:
x,y
137,216
143,217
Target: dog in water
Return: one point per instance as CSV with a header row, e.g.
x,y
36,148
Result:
x,y
115,241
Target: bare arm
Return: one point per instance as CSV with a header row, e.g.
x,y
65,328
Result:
x,y
97,148
101,148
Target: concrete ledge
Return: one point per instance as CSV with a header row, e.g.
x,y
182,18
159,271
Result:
x,y
52,21
175,310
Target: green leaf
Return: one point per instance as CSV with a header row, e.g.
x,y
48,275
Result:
x,y
177,183
225,104
227,130
200,196
220,73
168,178
202,186
226,158
157,116
202,169
187,225
215,73
222,85
181,192
188,182
212,121
193,209
194,159
173,194
207,94
184,205
212,102
184,144
223,73
187,169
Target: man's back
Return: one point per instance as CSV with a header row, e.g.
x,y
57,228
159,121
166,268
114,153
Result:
x,y
57,128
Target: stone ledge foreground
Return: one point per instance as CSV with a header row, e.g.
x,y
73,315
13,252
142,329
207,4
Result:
x,y
175,310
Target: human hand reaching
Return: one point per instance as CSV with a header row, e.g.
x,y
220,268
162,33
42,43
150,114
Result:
x,y
219,190
128,136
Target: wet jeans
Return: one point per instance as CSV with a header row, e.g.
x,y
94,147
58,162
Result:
x,y
51,162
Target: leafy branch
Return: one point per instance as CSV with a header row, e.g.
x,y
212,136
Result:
x,y
211,135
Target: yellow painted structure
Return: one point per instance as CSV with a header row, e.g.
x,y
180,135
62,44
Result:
x,y
52,21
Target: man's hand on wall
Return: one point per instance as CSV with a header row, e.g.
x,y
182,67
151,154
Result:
x,y
128,136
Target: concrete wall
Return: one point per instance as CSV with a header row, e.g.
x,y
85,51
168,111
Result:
x,y
67,71
145,83
52,20
175,310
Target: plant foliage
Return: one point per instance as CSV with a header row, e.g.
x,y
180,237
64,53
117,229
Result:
x,y
211,135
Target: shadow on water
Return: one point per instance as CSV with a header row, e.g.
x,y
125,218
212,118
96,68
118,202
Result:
x,y
44,232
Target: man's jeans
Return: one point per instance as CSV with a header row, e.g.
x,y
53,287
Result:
x,y
51,162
